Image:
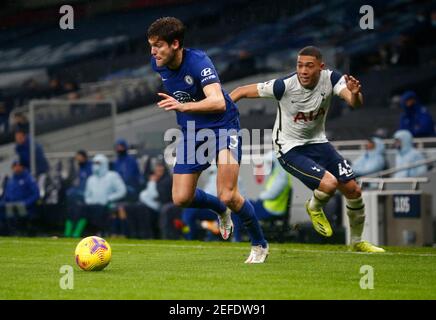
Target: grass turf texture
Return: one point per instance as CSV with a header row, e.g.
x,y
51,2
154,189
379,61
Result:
x,y
30,269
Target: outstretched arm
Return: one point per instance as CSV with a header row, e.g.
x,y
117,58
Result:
x,y
248,91
351,93
213,103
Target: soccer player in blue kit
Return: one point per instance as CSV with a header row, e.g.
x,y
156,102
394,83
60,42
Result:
x,y
194,92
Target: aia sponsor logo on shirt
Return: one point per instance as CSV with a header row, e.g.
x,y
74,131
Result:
x,y
309,116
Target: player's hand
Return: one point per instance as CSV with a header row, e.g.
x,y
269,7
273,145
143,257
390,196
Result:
x,y
169,103
352,84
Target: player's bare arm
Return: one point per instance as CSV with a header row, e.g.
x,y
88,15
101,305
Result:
x,y
351,94
213,103
248,91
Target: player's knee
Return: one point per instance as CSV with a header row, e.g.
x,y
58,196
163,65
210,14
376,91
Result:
x,y
228,197
329,183
182,199
353,191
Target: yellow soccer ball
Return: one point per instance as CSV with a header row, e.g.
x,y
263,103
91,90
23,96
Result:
x,y
93,254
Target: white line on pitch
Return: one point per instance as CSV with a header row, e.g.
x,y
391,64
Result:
x,y
230,247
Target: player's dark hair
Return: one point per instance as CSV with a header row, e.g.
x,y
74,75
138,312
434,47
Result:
x,y
167,29
311,51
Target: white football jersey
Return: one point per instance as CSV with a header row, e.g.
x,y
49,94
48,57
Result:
x,y
301,112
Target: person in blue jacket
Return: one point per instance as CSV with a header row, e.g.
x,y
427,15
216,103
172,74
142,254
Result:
x,y
21,193
22,149
75,194
415,116
372,160
127,167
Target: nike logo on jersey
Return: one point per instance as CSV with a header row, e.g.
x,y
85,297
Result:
x,y
316,169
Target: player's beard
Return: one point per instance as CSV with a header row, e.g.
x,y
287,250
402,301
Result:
x,y
171,59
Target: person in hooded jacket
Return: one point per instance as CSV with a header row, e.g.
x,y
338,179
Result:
x,y
22,149
75,195
372,160
144,218
407,155
127,167
103,189
18,202
415,117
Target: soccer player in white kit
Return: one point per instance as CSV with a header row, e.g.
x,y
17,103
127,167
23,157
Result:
x,y
300,142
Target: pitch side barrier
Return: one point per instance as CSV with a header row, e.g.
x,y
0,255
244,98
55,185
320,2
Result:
x,y
399,211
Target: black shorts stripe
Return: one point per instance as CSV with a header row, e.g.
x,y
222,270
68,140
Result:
x,y
356,209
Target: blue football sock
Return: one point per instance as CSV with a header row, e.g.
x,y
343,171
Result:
x,y
249,219
207,201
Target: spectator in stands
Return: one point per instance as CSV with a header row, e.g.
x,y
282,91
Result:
x,y
103,189
4,118
372,160
404,51
55,87
17,205
70,86
415,116
407,155
274,200
143,218
85,170
127,167
22,148
75,194
20,122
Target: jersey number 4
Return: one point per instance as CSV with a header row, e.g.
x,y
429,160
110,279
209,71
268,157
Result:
x,y
345,169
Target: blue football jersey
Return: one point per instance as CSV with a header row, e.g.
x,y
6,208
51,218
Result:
x,y
186,85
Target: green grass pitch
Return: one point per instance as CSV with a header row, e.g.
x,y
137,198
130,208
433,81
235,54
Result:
x,y
30,269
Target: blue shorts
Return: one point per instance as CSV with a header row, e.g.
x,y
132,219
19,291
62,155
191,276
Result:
x,y
309,163
197,150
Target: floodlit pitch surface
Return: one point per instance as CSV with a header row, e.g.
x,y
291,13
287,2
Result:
x,y
30,269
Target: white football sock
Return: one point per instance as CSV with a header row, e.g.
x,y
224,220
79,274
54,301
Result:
x,y
318,200
356,217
